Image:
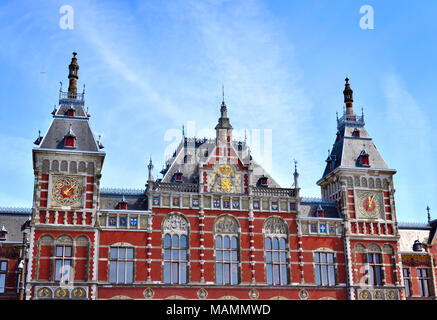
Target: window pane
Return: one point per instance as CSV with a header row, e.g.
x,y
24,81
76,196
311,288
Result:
x,y
377,258
371,276
275,244
183,241
130,253
424,273
129,272
175,272
405,272
378,275
283,274
58,270
234,255
269,274
167,254
183,272
2,282
370,256
420,288
175,241
113,253
275,256
113,272
219,255
59,251
331,275
407,288
227,279
167,272
324,275
276,273
268,244
323,257
282,244
226,243
268,256
283,257
227,256
234,273
419,272
66,271
219,275
167,241
183,254
318,278
4,266
425,288
330,258
234,243
67,252
121,278
218,242
174,254
317,257
121,253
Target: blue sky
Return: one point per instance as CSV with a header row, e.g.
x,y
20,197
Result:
x,y
152,66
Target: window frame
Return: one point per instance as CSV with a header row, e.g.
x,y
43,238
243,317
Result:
x,y
320,266
3,275
406,272
121,261
424,280
283,274
229,268
60,274
375,268
175,264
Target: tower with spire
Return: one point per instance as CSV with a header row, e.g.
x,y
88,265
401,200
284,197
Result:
x,y
359,180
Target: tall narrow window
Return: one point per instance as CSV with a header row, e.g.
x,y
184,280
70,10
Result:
x,y
121,265
175,249
324,268
227,250
423,278
63,263
407,282
175,259
276,251
374,261
3,271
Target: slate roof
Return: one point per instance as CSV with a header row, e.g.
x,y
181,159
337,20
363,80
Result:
x,y
13,219
54,138
308,208
136,199
345,152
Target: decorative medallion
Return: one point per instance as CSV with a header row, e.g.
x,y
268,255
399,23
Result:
x,y
226,204
275,205
369,204
253,293
176,202
148,293
235,204
44,293
378,295
225,180
67,191
78,293
391,295
61,293
255,204
331,228
365,295
313,228
133,221
112,221
292,206
156,201
216,203
195,202
303,294
202,293
123,222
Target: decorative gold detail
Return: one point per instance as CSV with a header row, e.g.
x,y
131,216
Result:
x,y
253,293
225,180
202,293
44,293
365,295
148,293
303,294
369,204
67,191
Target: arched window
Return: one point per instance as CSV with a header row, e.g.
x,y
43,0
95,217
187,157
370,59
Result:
x,y
175,247
227,250
276,251
64,259
374,262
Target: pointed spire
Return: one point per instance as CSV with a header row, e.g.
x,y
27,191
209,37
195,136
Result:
x,y
296,175
150,167
429,215
223,120
73,76
348,98
38,140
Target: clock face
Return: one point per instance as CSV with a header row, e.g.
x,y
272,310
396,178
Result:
x,y
67,191
369,204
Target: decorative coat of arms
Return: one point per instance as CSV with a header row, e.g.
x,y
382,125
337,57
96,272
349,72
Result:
x,y
225,180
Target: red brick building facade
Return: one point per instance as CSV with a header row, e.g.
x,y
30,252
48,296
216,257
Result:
x,y
216,225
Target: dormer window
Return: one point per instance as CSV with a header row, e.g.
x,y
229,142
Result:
x,y
338,136
122,205
262,182
70,138
356,133
240,146
363,159
177,177
330,161
3,233
320,212
70,112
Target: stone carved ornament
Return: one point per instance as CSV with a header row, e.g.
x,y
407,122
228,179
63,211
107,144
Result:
x,y
175,223
275,225
226,224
